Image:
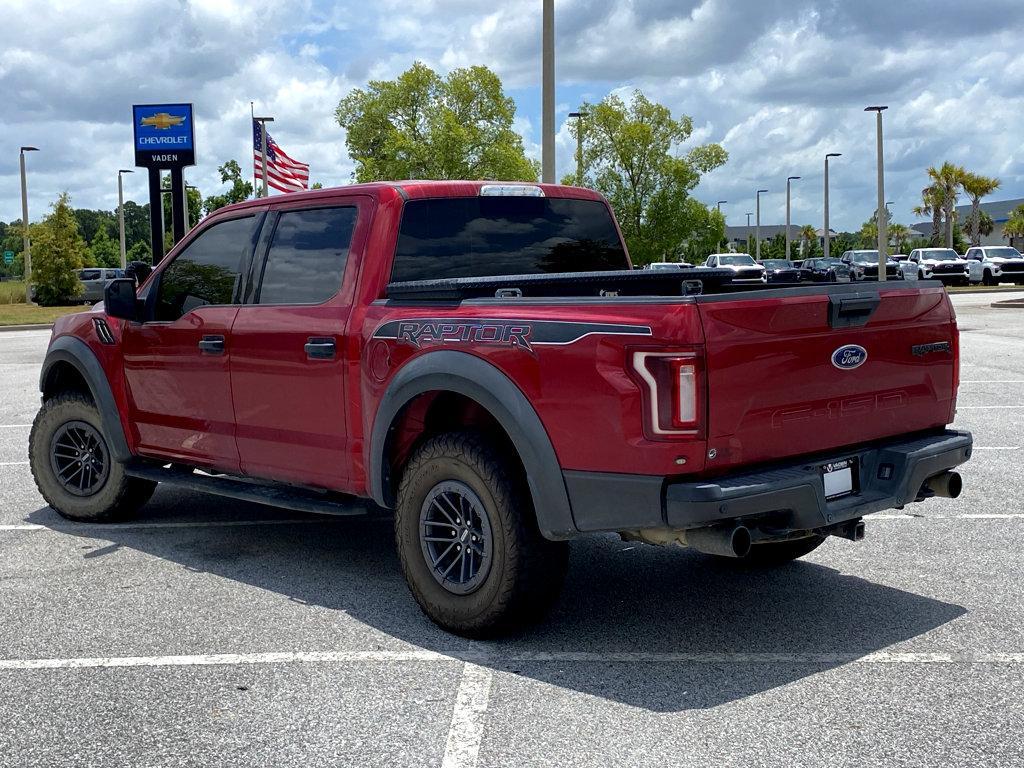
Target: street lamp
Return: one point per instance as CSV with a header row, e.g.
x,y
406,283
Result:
x,y
828,238
263,148
749,214
547,154
883,234
25,245
120,211
718,205
788,180
757,232
579,145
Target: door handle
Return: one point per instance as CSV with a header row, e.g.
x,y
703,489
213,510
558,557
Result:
x,y
320,348
212,344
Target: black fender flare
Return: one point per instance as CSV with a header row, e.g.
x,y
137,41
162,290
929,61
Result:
x,y
76,353
475,378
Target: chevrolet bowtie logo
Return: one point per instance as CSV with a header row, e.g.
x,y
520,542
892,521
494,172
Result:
x,y
163,121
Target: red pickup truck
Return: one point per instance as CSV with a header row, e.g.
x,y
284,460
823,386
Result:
x,y
482,360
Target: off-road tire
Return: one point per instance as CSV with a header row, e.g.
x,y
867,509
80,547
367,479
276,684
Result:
x,y
526,570
119,497
769,554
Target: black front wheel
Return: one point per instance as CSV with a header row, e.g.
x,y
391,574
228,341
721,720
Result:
x,y
468,539
73,467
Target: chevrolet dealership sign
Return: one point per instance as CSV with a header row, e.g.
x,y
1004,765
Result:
x,y
164,135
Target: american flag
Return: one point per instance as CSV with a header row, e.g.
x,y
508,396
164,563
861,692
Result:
x,y
283,173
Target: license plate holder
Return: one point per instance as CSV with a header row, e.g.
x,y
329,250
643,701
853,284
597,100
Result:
x,y
840,478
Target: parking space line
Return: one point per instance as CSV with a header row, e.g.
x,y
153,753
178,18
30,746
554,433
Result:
x,y
940,516
467,728
15,425
87,527
478,682
997,448
11,464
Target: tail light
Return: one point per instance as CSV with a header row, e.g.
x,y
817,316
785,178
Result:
x,y
673,392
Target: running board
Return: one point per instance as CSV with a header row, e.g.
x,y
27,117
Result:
x,y
277,495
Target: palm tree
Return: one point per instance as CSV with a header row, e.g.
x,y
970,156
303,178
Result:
x,y
807,236
931,206
947,181
899,234
1014,227
977,187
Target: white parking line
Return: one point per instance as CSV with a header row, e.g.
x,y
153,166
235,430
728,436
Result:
x,y
467,729
87,527
478,684
922,516
997,448
15,425
11,464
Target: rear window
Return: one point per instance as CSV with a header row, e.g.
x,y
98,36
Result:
x,y
491,236
89,275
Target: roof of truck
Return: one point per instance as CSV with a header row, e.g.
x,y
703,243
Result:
x,y
414,188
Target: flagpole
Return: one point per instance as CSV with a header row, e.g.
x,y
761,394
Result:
x,y
252,124
263,148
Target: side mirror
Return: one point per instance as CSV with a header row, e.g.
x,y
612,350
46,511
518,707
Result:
x,y
119,299
138,271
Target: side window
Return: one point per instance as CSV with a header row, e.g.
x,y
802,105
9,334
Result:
x,y
207,271
307,256
89,275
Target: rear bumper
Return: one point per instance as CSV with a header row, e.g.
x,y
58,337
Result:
x,y
890,476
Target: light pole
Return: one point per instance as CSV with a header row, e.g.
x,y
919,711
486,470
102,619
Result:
x,y
757,232
718,205
579,146
828,238
548,93
883,225
749,214
25,245
263,148
789,179
120,212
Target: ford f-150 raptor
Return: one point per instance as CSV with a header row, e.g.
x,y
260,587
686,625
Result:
x,y
482,360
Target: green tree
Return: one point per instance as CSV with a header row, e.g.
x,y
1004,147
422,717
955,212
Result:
x,y
1014,227
931,206
630,153
58,250
90,222
809,246
136,223
947,182
899,235
103,252
240,189
423,126
977,186
139,252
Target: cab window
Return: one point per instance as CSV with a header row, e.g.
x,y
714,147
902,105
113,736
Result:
x,y
207,272
307,255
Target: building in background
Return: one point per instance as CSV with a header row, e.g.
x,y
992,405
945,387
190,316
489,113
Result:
x,y
999,210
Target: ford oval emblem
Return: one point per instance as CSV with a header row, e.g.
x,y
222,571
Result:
x,y
849,356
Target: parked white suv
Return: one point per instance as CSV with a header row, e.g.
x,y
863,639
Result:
x,y
992,265
743,266
943,264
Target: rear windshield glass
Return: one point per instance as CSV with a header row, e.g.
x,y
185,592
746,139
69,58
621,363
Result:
x,y
490,236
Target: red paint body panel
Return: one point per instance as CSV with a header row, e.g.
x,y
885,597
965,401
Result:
x,y
769,389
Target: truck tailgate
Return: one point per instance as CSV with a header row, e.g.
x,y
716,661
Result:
x,y
801,373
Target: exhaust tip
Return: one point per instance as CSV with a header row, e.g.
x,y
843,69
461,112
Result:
x,y
741,541
954,485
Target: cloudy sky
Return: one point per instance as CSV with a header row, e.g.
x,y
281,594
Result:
x,y
778,82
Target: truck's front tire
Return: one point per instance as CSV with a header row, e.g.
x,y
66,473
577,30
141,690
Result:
x,y
468,540
73,467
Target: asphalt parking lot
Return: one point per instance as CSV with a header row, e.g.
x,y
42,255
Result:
x,y
218,632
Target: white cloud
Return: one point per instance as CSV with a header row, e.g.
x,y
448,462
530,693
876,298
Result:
x,y
778,82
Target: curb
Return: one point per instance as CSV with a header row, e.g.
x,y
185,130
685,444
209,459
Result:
x,y
1009,304
28,327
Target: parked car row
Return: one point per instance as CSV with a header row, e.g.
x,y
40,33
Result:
x,y
989,265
